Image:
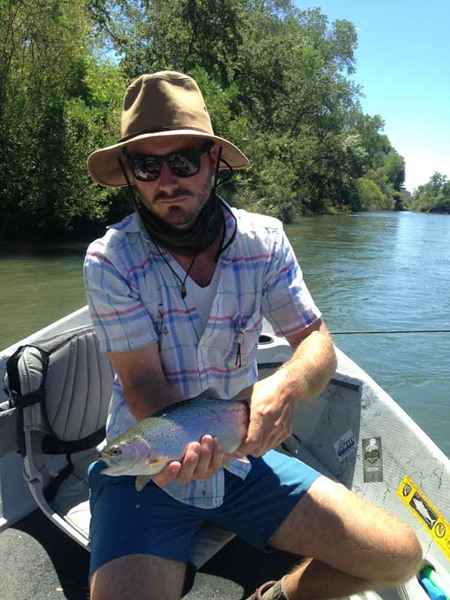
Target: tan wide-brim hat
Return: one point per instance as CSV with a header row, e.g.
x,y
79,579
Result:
x,y
162,105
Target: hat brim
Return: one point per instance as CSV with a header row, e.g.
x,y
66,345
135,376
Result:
x,y
104,168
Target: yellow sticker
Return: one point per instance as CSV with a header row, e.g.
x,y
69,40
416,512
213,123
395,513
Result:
x,y
426,513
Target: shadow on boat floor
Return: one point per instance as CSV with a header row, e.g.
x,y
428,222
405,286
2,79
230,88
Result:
x,y
38,561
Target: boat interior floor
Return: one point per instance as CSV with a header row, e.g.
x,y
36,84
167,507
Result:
x,y
39,561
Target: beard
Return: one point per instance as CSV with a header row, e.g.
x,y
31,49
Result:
x,y
181,208
186,222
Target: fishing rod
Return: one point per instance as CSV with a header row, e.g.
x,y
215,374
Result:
x,y
386,331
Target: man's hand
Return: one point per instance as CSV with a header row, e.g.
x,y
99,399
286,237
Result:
x,y
302,378
201,460
271,418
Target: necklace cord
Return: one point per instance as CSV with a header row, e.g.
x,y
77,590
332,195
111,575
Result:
x,y
182,282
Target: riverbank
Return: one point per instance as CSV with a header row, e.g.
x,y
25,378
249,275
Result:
x,y
90,230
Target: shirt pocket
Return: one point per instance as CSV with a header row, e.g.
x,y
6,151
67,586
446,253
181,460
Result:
x,y
235,345
246,340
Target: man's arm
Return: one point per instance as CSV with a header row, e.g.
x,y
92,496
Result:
x,y
146,391
302,378
145,386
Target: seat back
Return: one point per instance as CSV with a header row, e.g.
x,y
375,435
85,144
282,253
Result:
x,y
60,388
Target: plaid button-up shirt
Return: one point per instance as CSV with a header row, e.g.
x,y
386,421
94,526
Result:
x,y
134,300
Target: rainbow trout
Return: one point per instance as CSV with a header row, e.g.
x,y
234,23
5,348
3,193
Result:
x,y
148,446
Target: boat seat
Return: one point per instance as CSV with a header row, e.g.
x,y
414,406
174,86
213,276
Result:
x,y
73,385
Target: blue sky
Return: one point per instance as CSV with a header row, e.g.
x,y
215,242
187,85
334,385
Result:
x,y
403,64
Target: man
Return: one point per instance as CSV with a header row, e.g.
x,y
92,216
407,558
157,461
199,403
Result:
x,y
177,293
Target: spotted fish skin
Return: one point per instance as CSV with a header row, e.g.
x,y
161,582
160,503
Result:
x,y
148,446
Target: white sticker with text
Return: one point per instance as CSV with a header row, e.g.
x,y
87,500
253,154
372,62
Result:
x,y
345,445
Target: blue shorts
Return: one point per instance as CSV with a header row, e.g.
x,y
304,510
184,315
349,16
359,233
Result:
x,y
125,521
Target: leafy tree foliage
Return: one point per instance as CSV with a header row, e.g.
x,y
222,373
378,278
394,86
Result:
x,y
276,81
56,104
275,78
434,196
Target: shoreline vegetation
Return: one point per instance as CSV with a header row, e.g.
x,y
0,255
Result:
x,y
278,82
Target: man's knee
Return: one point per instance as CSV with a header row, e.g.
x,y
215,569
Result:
x,y
389,549
138,577
394,554
406,559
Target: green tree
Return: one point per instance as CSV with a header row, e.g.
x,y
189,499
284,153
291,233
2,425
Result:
x,y
275,79
150,35
371,196
49,116
434,196
383,165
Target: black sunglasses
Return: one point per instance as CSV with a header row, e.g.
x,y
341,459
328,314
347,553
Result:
x,y
184,163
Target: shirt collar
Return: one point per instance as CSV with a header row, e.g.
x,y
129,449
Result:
x,y
130,224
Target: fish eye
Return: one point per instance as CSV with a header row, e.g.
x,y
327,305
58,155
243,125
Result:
x,y
115,451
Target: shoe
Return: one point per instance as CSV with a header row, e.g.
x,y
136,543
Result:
x,y
258,595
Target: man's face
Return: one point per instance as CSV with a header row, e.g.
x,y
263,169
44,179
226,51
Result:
x,y
176,200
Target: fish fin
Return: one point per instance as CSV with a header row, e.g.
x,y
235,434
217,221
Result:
x,y
141,481
155,466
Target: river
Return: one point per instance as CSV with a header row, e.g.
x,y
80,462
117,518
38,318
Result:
x,y
369,272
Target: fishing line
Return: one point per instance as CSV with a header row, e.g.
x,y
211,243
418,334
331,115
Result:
x,y
385,331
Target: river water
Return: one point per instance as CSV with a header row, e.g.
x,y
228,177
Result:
x,y
371,272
